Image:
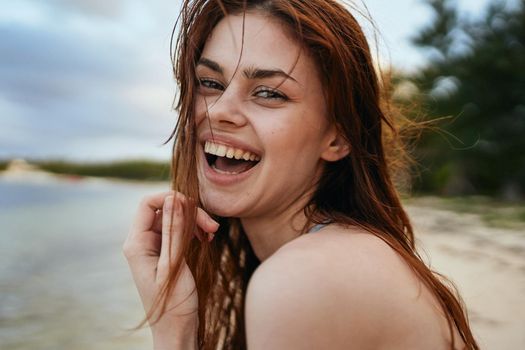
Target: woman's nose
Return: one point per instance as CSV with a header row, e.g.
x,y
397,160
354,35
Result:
x,y
227,109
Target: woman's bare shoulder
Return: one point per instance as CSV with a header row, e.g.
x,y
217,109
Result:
x,y
342,253
336,287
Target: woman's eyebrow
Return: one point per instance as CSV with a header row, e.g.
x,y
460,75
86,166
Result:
x,y
214,66
250,73
258,73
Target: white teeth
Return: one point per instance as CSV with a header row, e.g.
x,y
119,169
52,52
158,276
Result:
x,y
220,151
238,154
229,152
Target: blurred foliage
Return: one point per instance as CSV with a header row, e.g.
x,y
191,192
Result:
x,y
132,169
474,89
3,164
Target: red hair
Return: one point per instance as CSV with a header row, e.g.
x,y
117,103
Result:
x,y
356,190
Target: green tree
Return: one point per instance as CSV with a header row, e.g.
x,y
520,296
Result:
x,y
475,77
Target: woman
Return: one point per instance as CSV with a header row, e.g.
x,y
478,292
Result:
x,y
282,139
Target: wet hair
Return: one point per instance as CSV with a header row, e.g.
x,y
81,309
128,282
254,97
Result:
x,y
357,190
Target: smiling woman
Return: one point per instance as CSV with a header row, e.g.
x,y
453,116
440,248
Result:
x,y
254,106
281,132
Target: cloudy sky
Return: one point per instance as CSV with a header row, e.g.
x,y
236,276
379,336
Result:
x,y
91,80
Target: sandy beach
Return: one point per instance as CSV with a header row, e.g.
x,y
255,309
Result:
x,y
64,283
487,264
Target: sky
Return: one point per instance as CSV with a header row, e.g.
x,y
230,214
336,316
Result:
x,y
91,80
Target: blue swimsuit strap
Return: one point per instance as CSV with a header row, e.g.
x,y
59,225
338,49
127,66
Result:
x,y
318,227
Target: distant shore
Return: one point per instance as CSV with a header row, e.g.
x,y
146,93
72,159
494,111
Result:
x,y
142,170
492,211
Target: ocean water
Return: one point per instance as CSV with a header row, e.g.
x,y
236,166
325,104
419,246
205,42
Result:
x,y
64,282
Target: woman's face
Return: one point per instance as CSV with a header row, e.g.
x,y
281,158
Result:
x,y
260,151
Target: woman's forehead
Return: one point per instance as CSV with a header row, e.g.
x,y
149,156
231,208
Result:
x,y
264,42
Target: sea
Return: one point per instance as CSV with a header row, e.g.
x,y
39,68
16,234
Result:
x,y
64,282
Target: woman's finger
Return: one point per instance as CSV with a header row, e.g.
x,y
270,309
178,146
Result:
x,y
142,240
157,222
205,222
172,226
146,213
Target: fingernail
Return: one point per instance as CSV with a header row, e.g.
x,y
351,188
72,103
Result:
x,y
211,236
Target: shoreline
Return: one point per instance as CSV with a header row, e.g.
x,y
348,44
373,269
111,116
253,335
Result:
x,y
41,176
124,170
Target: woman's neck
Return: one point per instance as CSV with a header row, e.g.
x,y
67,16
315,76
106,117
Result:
x,y
268,234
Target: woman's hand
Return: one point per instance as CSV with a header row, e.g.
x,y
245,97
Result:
x,y
147,251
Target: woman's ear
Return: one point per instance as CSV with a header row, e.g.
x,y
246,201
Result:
x,y
336,149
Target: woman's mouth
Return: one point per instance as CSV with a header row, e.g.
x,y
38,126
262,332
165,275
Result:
x,y
229,160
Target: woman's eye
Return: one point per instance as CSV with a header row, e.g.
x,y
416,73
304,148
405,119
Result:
x,y
210,84
271,94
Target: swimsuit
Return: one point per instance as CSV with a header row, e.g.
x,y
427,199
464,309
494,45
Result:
x,y
318,227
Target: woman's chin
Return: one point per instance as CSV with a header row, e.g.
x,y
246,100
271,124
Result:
x,y
221,208
222,212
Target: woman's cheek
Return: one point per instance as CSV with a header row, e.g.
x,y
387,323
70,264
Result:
x,y
199,111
